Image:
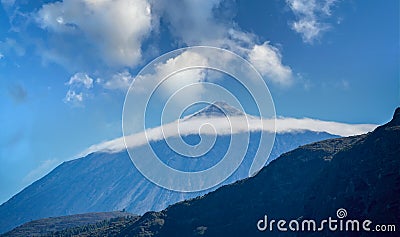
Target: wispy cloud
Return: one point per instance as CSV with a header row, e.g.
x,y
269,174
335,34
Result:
x,y
81,79
41,170
119,81
73,97
7,3
222,126
310,16
79,85
9,46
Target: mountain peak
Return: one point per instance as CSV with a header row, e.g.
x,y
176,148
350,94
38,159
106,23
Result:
x,y
217,109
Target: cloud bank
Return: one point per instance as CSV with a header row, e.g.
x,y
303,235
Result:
x,y
116,34
111,39
221,126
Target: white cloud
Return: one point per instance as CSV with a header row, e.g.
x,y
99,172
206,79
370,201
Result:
x,y
326,8
266,58
120,81
268,61
195,23
222,127
79,85
336,128
183,78
106,37
192,22
309,28
85,35
73,97
172,81
310,15
113,29
81,79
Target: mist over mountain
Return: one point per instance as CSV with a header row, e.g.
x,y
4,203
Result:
x,y
108,181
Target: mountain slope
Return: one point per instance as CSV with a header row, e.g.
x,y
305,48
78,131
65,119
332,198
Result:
x,y
360,174
107,182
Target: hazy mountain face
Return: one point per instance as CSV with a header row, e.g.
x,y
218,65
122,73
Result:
x,y
109,181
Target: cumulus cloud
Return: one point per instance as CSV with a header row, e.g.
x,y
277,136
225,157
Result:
x,y
197,23
169,81
183,78
171,76
91,36
109,37
268,61
310,15
79,85
112,30
221,126
192,22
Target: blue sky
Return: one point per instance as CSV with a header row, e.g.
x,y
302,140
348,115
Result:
x,y
65,66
